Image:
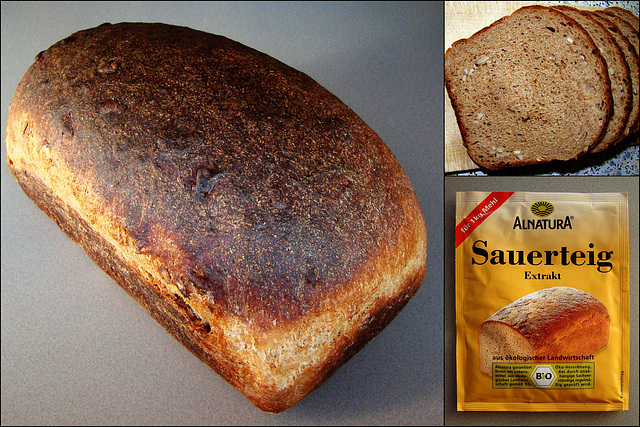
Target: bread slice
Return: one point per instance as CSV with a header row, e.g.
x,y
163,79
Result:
x,y
250,211
530,88
625,14
541,326
631,56
630,31
626,28
619,74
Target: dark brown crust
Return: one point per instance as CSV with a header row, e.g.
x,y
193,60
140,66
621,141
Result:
x,y
242,153
175,320
186,327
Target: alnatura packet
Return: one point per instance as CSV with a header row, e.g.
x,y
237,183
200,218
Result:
x,y
542,301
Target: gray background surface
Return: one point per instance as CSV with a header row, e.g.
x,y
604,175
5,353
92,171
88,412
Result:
x,y
76,349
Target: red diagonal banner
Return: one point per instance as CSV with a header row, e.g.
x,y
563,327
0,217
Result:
x,y
480,213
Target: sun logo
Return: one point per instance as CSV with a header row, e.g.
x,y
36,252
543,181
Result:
x,y
542,208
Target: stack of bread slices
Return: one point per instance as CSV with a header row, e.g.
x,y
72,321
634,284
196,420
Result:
x,y
545,83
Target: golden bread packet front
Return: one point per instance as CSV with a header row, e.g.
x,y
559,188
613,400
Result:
x,y
542,301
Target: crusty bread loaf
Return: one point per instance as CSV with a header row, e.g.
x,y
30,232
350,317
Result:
x,y
251,212
619,75
530,88
551,322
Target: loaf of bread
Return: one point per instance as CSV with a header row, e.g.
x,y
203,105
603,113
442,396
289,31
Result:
x,y
559,322
619,75
530,88
250,211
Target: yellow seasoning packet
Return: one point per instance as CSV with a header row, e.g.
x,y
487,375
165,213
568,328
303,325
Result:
x,y
542,301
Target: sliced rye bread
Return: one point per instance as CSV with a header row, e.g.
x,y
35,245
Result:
x,y
619,74
631,56
530,88
625,14
630,31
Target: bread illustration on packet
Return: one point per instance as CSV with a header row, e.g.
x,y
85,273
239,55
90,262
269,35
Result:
x,y
558,324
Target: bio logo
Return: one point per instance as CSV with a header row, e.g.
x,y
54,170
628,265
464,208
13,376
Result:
x,y
543,376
